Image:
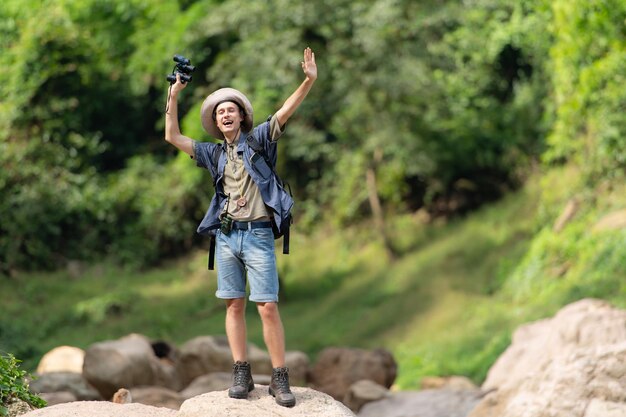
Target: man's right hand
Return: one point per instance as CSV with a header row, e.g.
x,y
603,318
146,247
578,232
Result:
x,y
178,85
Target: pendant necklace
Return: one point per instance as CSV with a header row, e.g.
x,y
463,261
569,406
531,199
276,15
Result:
x,y
241,202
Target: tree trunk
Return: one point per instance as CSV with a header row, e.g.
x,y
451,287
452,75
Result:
x,y
375,206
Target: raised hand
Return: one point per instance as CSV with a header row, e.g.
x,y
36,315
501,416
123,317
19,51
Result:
x,y
308,65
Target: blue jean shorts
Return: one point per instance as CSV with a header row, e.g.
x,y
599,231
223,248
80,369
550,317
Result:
x,y
247,254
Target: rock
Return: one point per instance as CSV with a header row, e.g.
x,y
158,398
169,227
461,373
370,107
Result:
x,y
215,381
426,403
338,368
54,382
599,408
101,409
54,398
573,365
204,355
62,359
18,408
125,363
363,392
298,364
309,403
585,323
448,382
259,359
157,397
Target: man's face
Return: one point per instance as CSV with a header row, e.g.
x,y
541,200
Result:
x,y
228,117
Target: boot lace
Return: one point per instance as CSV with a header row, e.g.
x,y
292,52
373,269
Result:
x,y
240,371
281,379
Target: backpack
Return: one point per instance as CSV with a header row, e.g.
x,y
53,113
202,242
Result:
x,y
286,222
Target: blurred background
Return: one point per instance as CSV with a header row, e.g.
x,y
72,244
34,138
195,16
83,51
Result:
x,y
458,169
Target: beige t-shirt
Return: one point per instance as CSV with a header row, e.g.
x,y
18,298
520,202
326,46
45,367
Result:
x,y
238,183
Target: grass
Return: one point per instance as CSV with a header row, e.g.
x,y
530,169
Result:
x,y
447,306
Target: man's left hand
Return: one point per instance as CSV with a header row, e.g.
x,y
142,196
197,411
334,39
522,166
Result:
x,y
308,65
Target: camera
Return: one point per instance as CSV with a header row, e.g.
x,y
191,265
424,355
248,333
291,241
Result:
x,y
226,224
183,67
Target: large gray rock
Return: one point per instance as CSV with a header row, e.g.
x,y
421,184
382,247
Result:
x,y
363,392
204,355
215,381
157,397
426,403
338,368
309,403
65,382
125,363
101,409
573,365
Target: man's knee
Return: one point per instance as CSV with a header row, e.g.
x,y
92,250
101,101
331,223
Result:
x,y
236,306
268,311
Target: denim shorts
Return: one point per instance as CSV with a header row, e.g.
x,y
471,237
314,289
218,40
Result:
x,y
251,253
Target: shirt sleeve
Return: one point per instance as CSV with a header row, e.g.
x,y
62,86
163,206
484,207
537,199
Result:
x,y
202,153
275,129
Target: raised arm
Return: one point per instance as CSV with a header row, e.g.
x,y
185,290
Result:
x,y
172,129
291,104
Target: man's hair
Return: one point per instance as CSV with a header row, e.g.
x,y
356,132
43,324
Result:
x,y
241,109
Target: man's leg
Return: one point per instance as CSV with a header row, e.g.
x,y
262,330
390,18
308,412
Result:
x,y
236,328
273,333
236,334
274,336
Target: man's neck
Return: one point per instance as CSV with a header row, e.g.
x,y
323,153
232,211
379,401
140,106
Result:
x,y
230,139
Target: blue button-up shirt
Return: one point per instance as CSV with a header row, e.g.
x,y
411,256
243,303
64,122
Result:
x,y
257,166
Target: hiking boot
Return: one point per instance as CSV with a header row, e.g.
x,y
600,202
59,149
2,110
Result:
x,y
242,381
279,387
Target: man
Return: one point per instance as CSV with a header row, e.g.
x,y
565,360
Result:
x,y
248,193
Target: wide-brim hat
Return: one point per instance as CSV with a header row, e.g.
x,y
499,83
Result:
x,y
220,96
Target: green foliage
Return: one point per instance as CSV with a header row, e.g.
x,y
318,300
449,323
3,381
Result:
x,y
588,66
13,385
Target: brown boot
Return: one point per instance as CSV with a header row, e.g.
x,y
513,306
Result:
x,y
242,381
279,387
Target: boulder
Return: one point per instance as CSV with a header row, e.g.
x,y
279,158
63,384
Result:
x,y
363,392
215,381
157,397
204,355
18,408
338,368
125,363
572,365
62,359
54,398
76,384
298,364
426,403
101,409
259,359
309,403
585,323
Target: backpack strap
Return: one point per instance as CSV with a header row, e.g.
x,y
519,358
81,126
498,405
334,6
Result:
x,y
212,253
215,161
286,240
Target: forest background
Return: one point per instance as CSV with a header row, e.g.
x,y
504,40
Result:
x,y
429,163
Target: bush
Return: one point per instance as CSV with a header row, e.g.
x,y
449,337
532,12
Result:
x,y
13,385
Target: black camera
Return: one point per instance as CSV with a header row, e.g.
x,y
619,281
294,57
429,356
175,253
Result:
x,y
183,68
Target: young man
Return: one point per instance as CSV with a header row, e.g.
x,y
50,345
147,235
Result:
x,y
247,192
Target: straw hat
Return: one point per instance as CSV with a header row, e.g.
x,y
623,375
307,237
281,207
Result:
x,y
217,97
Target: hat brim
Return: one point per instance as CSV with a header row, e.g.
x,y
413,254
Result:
x,y
219,96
